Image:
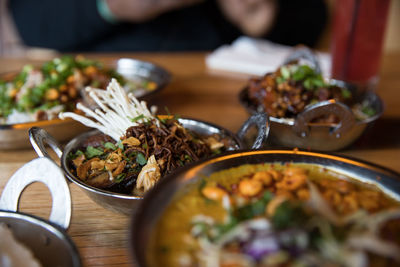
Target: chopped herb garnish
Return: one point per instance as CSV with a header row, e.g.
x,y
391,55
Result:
x,y
92,152
286,214
110,145
224,228
120,177
120,145
75,154
162,120
368,111
250,210
308,84
140,117
78,153
280,80
141,159
285,72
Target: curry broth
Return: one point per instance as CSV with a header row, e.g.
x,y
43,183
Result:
x,y
172,244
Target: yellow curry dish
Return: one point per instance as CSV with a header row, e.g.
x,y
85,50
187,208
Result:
x,y
278,215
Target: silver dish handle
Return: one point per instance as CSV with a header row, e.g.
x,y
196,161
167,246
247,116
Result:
x,y
47,172
39,138
261,121
343,112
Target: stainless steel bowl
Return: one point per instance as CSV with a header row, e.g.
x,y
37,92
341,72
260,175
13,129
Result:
x,y
156,201
126,203
48,241
301,133
14,136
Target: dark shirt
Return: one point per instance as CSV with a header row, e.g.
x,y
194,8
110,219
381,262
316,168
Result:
x,y
76,26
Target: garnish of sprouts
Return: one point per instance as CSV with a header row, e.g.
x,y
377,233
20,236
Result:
x,y
116,112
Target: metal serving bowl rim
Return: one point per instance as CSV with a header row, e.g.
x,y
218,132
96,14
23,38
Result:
x,y
53,228
159,188
78,139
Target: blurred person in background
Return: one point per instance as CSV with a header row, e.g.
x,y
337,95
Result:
x,y
164,25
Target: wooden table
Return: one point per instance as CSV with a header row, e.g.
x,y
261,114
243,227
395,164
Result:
x,y
101,235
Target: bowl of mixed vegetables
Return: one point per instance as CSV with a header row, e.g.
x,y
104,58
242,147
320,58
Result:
x,y
37,94
309,111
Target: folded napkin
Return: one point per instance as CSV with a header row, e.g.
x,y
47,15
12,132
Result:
x,y
256,57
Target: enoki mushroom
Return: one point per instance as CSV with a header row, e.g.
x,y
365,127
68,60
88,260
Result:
x,y
116,111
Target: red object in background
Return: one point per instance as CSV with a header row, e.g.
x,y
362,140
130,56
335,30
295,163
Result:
x,y
358,32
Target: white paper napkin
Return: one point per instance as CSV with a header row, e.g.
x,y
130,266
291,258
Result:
x,y
256,57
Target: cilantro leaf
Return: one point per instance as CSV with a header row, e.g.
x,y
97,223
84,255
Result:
x,y
110,145
285,72
141,116
120,145
120,177
369,111
141,159
92,152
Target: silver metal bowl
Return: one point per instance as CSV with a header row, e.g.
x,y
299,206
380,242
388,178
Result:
x,y
48,241
157,200
301,133
127,203
14,136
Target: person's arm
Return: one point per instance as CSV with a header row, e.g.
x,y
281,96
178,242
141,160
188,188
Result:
x,y
62,25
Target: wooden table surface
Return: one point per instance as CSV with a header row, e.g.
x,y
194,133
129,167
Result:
x,y
101,235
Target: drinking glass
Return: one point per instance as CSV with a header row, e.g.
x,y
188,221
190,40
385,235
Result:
x,y
358,34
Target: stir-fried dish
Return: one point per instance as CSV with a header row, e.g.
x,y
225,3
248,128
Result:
x,y
278,215
137,148
41,93
287,91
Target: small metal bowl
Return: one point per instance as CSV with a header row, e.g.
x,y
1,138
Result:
x,y
48,241
14,136
158,199
126,203
301,133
